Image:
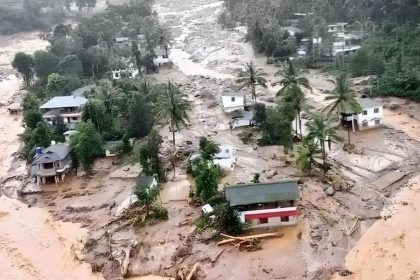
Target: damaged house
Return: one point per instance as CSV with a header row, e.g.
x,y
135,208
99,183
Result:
x,y
52,162
372,115
266,204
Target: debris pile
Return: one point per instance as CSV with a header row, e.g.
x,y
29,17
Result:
x,y
247,243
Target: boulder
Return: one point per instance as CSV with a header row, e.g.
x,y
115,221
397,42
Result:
x,y
212,104
330,191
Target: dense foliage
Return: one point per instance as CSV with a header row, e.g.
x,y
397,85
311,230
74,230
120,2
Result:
x,y
390,30
149,156
86,144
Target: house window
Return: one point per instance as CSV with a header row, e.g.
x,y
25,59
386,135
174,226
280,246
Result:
x,y
48,165
365,124
376,110
74,118
165,56
364,112
377,122
232,99
284,219
264,221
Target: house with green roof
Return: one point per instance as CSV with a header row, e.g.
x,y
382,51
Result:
x,y
266,204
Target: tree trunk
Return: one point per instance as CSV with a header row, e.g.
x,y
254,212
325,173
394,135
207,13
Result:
x,y
173,154
254,97
300,125
348,134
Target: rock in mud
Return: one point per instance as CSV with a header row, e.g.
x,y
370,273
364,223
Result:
x,y
330,191
271,174
394,106
212,104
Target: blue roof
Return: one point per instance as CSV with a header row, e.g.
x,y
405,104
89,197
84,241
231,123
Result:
x,y
64,102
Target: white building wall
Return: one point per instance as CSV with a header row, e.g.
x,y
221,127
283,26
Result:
x,y
370,118
160,60
233,103
275,221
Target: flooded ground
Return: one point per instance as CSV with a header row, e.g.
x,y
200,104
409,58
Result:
x,y
35,247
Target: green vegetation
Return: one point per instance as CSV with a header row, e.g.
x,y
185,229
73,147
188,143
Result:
x,y
389,30
204,171
250,77
149,156
227,219
24,63
208,148
86,144
147,198
291,90
343,99
174,109
320,130
307,151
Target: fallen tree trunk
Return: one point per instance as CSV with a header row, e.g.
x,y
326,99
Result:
x,y
247,238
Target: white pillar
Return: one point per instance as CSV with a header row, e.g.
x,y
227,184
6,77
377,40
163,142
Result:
x,y
352,123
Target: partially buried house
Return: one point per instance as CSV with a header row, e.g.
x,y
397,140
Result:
x,y
52,162
371,115
266,204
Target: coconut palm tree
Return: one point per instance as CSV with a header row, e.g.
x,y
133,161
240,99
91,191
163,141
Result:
x,y
307,151
250,78
343,99
321,131
291,89
174,109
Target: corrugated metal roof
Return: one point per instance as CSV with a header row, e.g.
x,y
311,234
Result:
x,y
53,153
367,103
64,102
286,189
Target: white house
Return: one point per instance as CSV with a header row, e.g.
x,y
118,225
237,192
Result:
x,y
233,101
122,40
161,56
372,115
338,27
225,158
124,73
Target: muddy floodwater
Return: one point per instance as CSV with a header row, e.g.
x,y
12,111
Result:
x,y
32,245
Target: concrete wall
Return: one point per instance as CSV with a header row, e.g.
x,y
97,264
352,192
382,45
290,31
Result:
x,y
370,118
233,101
275,221
160,60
